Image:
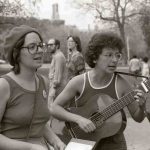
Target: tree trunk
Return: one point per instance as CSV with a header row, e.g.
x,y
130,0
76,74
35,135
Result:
x,y
122,34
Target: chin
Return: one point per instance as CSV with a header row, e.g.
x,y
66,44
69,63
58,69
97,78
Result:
x,y
37,66
111,70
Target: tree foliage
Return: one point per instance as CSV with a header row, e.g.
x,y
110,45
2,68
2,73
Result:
x,y
145,24
17,8
118,12
12,8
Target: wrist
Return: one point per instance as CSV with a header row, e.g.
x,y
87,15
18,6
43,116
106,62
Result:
x,y
77,119
55,84
55,141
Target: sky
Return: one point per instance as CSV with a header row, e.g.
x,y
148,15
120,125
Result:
x,y
67,11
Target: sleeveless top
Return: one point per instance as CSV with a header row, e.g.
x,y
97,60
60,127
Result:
x,y
110,143
19,109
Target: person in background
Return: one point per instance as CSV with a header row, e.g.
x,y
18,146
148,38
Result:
x,y
75,62
145,68
57,77
57,70
145,72
23,96
103,54
135,65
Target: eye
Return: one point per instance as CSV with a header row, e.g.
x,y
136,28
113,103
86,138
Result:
x,y
40,45
108,55
32,46
118,55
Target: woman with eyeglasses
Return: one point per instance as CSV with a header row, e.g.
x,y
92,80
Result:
x,y
98,111
23,104
75,63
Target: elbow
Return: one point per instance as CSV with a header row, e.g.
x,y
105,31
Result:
x,y
59,81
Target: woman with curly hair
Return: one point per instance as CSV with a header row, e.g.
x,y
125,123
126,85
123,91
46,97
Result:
x,y
75,63
96,89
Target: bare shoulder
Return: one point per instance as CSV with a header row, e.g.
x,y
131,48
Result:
x,y
123,85
4,89
77,82
4,84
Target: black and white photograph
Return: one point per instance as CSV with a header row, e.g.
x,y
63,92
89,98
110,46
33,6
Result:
x,y
74,74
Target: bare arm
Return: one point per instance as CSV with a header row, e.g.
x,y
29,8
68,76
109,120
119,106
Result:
x,y
5,142
65,97
53,139
57,108
135,108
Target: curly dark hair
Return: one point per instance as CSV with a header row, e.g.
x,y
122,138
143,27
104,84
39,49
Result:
x,y
77,41
100,41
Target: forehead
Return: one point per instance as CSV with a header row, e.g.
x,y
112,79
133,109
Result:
x,y
70,39
51,41
110,50
32,38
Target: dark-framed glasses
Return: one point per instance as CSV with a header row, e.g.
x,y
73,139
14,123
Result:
x,y
50,44
34,47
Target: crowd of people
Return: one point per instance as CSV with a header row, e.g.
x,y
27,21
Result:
x,y
31,103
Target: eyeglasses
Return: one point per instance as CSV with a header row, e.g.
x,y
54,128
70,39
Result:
x,y
118,56
71,41
34,47
49,45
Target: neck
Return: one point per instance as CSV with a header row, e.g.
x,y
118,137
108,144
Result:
x,y
57,50
100,78
27,74
74,50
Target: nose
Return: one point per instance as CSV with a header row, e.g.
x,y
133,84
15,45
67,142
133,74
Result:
x,y
114,58
39,49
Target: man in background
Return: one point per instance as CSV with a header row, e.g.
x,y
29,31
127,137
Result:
x,y
57,77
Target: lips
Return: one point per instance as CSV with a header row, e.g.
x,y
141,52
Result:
x,y
38,58
113,67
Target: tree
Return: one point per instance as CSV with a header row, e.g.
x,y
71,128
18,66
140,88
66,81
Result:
x,y
16,8
112,11
9,12
11,8
145,24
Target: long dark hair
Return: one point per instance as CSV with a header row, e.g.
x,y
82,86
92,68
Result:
x,y
16,55
77,41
